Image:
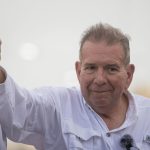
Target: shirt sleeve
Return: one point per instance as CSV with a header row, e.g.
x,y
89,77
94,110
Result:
x,y
26,116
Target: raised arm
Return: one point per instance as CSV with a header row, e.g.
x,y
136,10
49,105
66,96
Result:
x,y
2,75
22,112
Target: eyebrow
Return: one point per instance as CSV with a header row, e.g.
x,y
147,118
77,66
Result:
x,y
113,65
89,64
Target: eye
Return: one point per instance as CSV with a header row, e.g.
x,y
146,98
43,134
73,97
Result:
x,y
90,69
112,69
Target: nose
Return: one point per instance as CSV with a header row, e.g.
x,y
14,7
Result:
x,y
100,77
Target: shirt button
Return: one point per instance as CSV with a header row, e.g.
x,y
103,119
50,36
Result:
x,y
108,134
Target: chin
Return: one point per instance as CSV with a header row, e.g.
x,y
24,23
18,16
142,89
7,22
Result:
x,y
100,102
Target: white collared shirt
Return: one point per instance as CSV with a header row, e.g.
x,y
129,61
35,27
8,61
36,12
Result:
x,y
3,140
57,118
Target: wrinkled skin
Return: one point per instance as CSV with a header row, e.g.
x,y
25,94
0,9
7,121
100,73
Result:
x,y
103,76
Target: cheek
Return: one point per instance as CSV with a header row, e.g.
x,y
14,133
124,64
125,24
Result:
x,y
85,81
119,82
125,81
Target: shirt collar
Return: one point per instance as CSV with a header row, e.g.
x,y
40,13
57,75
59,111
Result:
x,y
132,112
132,109
132,104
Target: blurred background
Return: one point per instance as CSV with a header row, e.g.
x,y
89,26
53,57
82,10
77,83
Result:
x,y
41,39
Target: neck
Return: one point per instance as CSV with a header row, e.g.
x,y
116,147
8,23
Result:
x,y
115,116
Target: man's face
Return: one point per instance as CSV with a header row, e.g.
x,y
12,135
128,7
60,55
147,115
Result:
x,y
102,75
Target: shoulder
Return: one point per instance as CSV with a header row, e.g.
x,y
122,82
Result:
x,y
60,95
65,93
142,105
141,100
58,92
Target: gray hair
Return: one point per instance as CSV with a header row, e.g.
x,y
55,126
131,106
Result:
x,y
111,35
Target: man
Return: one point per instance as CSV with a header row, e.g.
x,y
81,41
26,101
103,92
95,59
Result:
x,y
101,115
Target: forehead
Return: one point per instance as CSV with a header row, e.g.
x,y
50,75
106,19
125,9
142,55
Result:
x,y
101,51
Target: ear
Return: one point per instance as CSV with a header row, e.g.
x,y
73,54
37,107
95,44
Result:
x,y
130,72
78,68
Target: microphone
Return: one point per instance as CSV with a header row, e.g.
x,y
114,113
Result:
x,y
127,142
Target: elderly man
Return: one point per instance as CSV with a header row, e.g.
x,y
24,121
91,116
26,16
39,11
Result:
x,y
100,115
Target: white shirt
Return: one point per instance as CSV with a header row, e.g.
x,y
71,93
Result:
x,y
3,140
57,118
